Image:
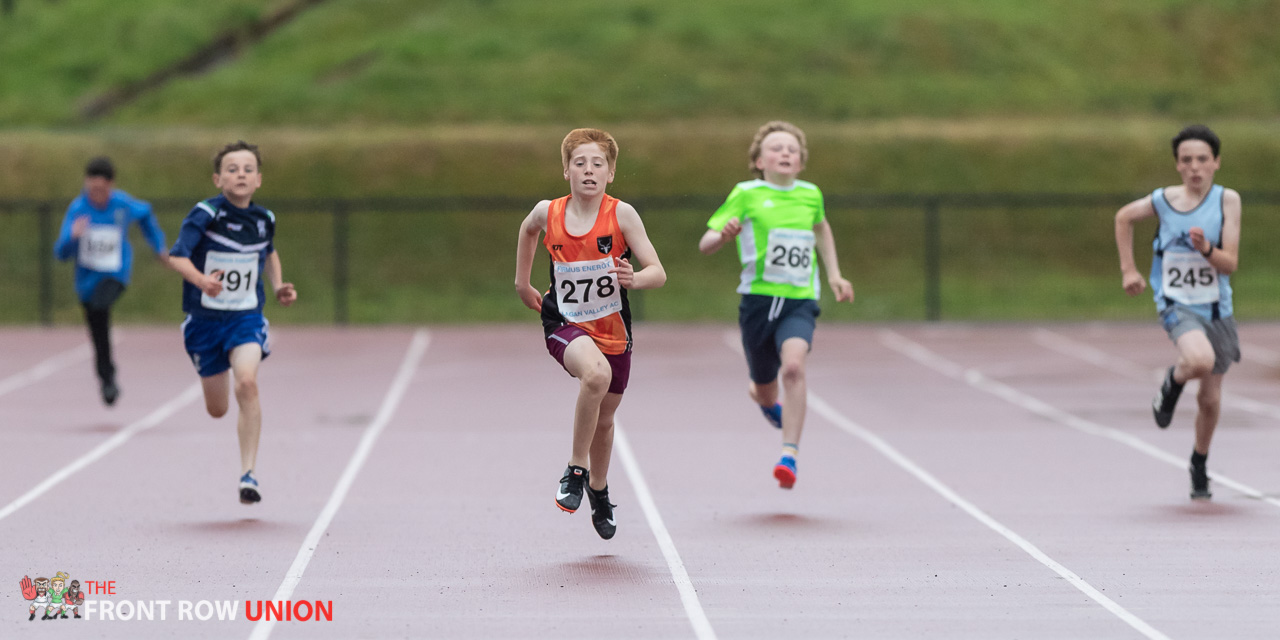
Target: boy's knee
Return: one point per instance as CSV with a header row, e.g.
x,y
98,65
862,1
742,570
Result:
x,y
246,389
792,372
217,410
596,379
1200,366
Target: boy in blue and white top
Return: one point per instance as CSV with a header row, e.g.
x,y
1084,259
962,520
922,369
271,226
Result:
x,y
95,231
225,247
1195,251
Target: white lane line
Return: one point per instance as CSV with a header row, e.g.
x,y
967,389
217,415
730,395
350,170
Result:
x,y
399,385
1067,346
835,417
688,595
977,380
44,369
888,451
120,437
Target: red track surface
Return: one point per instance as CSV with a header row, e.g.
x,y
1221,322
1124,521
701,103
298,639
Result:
x,y
448,529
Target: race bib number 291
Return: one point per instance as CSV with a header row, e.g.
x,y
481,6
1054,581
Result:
x,y
1189,278
586,290
239,281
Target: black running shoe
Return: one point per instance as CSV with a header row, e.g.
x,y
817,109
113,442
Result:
x,y
602,512
569,495
249,493
110,392
1166,400
1199,483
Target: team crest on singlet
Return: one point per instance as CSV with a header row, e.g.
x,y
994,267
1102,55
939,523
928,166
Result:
x,y
604,243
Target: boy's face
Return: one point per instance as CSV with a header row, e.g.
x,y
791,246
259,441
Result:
x,y
98,189
780,155
238,175
58,584
1196,163
588,171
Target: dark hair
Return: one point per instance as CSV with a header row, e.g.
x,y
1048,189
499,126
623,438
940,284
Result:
x,y
238,145
1197,132
100,167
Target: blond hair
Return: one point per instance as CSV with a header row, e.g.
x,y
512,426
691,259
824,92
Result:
x,y
769,127
579,137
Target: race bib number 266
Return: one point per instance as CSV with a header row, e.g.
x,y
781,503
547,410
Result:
x,y
789,257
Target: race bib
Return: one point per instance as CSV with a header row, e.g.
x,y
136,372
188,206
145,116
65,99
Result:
x,y
101,248
1189,278
239,281
789,257
586,290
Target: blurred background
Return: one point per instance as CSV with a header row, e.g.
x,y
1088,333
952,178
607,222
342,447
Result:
x,y
973,153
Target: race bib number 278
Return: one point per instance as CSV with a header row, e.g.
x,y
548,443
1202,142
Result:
x,y
585,290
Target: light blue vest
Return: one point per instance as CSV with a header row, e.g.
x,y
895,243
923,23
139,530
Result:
x,y
1173,238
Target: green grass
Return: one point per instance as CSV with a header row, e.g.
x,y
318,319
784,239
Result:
x,y
513,61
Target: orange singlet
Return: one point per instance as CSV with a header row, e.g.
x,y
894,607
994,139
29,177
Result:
x,y
582,292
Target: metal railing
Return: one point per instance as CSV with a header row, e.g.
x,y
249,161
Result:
x,y
341,210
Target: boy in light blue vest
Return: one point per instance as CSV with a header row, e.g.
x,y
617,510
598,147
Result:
x,y
1194,253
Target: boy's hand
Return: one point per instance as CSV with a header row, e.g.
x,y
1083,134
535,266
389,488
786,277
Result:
x,y
842,288
212,284
286,294
731,230
530,297
79,226
626,274
1198,241
1133,283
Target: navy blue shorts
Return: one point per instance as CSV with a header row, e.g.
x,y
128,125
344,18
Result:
x,y
766,323
209,342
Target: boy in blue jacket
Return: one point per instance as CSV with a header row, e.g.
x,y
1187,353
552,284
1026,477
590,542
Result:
x,y
95,232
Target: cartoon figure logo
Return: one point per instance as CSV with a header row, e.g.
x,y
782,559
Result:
x,y
52,595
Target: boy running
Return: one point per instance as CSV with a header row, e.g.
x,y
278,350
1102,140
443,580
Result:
x,y
95,232
1195,251
224,247
585,314
778,220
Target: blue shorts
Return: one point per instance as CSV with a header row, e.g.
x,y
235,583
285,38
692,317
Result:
x,y
209,342
766,323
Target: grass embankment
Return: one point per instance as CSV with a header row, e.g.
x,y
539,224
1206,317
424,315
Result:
x,y
513,61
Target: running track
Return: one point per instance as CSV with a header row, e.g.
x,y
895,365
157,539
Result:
x,y
955,482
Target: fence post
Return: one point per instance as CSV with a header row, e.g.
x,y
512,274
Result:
x,y
45,213
932,261
340,248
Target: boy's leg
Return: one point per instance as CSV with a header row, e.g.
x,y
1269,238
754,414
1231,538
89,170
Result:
x,y
602,441
1210,401
245,359
584,361
217,393
1195,357
795,352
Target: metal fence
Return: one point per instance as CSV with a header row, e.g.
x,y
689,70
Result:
x,y
340,212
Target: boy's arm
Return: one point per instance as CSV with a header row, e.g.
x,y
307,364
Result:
x,y
842,288
151,230
1140,209
210,284
284,291
526,245
1226,259
652,275
712,240
68,241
